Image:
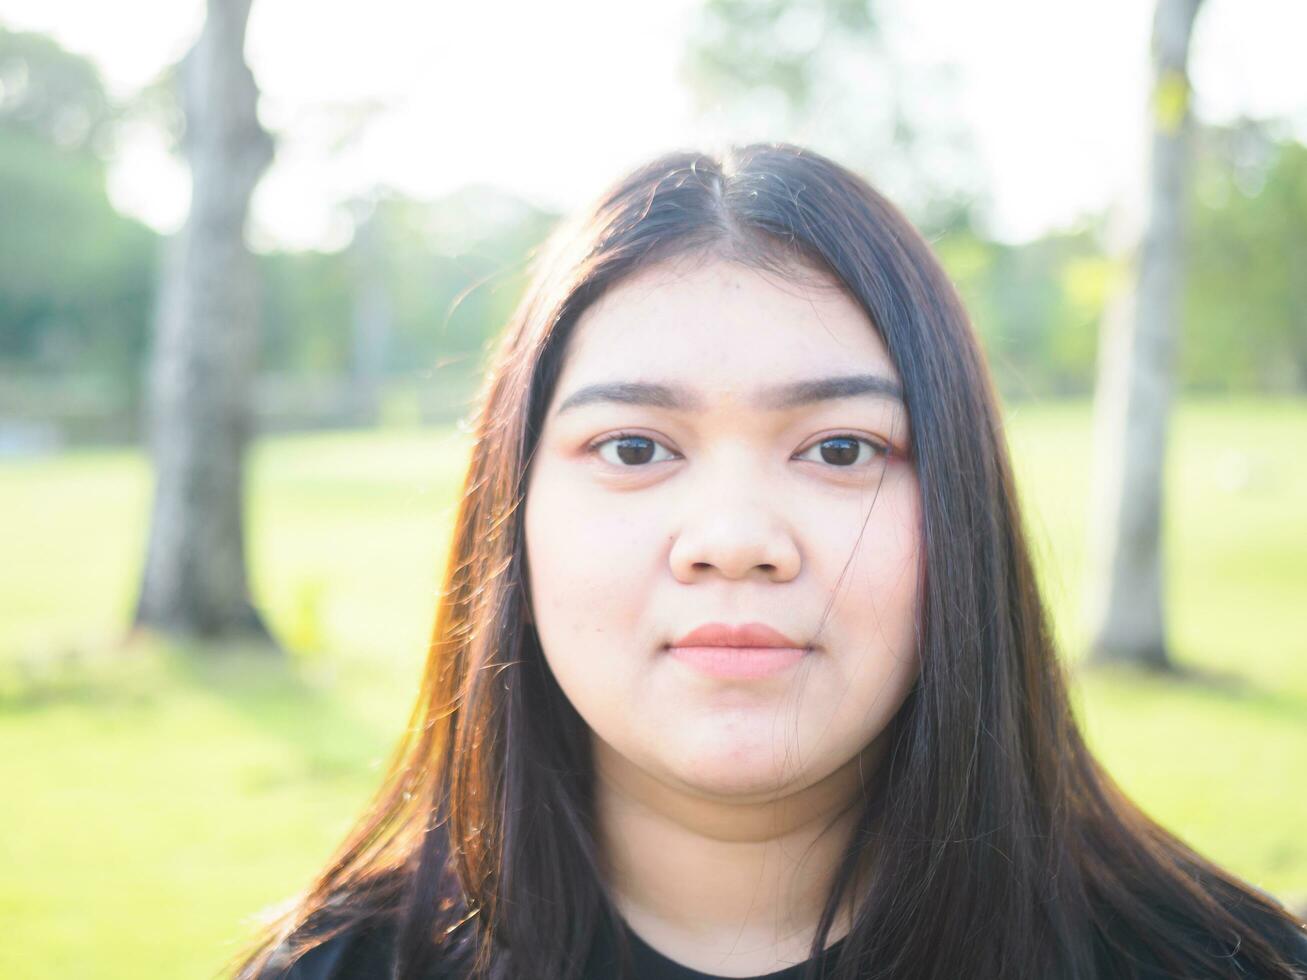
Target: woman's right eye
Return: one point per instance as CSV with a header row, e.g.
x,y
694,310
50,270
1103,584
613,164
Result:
x,y
629,450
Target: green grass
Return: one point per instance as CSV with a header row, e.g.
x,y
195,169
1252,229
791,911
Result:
x,y
164,797
156,798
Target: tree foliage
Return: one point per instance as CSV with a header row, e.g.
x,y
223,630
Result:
x,y
75,275
1246,305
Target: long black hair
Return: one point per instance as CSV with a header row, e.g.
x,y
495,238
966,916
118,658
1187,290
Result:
x,y
1001,847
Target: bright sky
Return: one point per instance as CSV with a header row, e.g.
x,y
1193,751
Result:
x,y
553,100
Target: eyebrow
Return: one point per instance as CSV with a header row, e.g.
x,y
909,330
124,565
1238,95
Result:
x,y
775,398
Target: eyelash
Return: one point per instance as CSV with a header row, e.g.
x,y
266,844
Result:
x,y
879,449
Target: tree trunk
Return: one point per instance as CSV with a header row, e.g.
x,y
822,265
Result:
x,y
1136,369
204,352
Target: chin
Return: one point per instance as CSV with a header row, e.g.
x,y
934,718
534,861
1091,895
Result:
x,y
759,772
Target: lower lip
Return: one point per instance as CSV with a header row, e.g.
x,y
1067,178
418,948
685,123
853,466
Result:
x,y
739,662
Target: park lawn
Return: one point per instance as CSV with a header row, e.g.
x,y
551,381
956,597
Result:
x,y
170,796
157,798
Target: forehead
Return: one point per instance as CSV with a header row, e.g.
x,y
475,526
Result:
x,y
720,326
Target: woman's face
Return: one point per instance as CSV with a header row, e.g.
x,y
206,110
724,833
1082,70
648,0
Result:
x,y
716,477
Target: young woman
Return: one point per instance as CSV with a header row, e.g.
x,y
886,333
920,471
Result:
x,y
740,668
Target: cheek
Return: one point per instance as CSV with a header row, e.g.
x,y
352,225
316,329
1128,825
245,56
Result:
x,y
581,556
885,565
590,571
872,625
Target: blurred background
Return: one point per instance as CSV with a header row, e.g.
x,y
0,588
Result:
x,y
251,257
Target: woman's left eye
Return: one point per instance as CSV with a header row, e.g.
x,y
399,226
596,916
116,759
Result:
x,y
846,450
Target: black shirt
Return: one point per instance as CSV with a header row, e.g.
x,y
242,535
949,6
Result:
x,y
364,954
653,965
359,954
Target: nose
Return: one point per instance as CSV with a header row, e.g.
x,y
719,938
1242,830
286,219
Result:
x,y
733,526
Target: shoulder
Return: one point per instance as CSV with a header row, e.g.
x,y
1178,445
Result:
x,y
364,949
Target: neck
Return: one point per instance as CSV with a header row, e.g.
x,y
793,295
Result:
x,y
726,887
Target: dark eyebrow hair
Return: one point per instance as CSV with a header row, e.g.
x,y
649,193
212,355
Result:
x,y
789,395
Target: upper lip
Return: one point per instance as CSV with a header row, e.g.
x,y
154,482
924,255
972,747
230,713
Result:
x,y
744,635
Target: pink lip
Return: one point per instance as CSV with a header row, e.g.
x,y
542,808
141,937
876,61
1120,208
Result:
x,y
745,635
747,651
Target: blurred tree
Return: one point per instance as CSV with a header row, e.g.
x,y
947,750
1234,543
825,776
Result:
x,y
1035,307
53,94
453,269
1136,373
76,277
306,312
1038,305
752,47
827,74
373,314
445,274
204,352
1246,299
